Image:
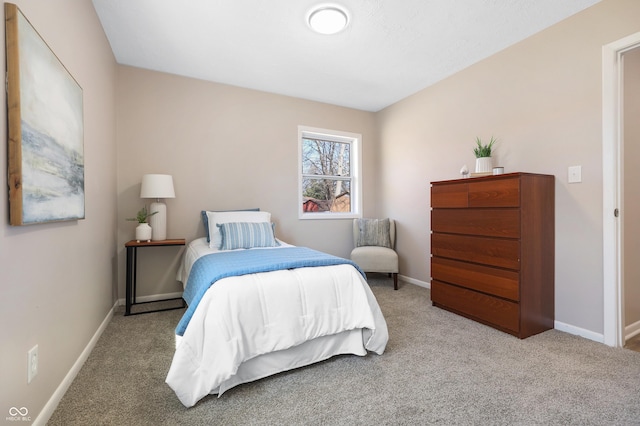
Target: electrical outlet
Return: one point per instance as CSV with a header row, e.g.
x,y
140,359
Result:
x,y
32,363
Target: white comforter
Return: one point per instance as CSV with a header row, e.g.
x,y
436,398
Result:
x,y
241,318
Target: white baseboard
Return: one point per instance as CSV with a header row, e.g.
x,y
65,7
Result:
x,y
153,298
572,329
629,331
414,281
632,330
55,399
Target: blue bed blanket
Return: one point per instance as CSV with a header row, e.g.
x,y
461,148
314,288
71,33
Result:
x,y
213,267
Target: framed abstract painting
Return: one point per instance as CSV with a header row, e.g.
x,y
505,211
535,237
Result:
x,y
45,129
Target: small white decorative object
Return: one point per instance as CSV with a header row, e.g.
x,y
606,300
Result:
x,y
484,165
483,155
464,171
143,232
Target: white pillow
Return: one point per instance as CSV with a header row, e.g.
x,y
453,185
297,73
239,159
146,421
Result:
x,y
225,217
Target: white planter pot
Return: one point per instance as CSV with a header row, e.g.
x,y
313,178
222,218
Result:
x,y
143,232
484,165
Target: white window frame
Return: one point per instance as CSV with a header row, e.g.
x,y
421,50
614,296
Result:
x,y
355,140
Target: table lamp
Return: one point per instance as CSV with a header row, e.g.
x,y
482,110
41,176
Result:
x,y
157,186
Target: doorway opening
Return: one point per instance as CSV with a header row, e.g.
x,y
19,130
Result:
x,y
612,185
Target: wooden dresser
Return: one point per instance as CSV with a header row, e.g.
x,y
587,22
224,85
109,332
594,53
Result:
x,y
492,247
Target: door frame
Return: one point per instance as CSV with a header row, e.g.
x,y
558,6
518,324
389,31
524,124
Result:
x,y
612,186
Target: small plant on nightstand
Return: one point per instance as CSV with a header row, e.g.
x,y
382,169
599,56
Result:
x,y
143,230
142,215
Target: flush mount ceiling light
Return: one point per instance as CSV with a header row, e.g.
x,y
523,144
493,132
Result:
x,y
327,19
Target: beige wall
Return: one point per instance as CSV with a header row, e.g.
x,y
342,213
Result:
x,y
58,282
631,210
226,148
542,99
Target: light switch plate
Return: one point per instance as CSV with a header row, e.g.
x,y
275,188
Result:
x,y
575,174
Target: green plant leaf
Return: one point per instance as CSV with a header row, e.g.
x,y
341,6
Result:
x,y
142,215
481,150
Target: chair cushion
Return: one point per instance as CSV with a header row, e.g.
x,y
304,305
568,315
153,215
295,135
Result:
x,y
374,232
375,259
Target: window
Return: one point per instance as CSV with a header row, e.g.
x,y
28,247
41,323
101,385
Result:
x,y
329,174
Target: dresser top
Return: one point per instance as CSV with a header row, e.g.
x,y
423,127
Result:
x,y
493,177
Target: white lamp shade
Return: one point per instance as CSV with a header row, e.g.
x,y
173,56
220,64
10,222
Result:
x,y
157,186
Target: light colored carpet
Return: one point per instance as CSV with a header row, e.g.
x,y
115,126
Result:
x,y
438,368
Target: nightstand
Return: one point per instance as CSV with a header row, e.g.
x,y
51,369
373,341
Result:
x,y
132,263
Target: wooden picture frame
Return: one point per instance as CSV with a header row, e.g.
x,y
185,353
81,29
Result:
x,y
45,129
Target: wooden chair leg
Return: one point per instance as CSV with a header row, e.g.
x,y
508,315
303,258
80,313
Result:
x,y
395,280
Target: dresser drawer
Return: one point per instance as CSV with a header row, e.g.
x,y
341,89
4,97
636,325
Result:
x,y
502,253
493,281
495,193
449,196
492,310
485,222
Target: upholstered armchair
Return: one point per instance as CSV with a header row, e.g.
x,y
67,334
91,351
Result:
x,y
374,251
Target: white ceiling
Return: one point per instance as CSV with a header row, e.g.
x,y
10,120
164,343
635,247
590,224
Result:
x,y
390,49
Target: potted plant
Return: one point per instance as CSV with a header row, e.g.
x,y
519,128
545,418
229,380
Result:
x,y
143,230
483,155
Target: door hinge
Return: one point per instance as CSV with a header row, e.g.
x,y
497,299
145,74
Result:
x,y
616,212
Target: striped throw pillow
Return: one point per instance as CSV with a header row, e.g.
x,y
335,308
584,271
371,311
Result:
x,y
374,232
237,235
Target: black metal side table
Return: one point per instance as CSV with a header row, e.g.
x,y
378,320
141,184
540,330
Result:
x,y
132,266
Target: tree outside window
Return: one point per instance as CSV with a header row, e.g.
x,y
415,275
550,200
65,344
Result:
x,y
328,174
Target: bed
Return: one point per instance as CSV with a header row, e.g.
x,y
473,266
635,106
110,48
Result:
x,y
263,307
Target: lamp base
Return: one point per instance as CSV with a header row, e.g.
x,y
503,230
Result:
x,y
158,221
